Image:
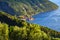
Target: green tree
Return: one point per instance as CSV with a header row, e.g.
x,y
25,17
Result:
x,y
3,31
31,32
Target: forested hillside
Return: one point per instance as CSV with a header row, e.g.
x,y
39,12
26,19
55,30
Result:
x,y
26,7
12,28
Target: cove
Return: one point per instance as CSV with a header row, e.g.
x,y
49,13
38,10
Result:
x,y
49,19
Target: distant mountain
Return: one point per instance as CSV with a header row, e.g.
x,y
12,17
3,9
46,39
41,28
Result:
x,y
26,7
12,28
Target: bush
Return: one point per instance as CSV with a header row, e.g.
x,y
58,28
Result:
x,y
3,31
31,32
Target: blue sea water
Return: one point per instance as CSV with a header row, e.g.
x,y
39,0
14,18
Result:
x,y
49,19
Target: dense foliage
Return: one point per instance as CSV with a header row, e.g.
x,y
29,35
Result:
x,y
13,28
16,29
3,31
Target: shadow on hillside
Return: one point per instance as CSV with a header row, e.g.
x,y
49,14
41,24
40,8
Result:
x,y
9,21
4,6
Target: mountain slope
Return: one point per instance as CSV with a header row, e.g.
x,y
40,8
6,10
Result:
x,y
16,29
26,7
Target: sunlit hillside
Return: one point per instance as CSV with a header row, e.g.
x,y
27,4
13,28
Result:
x,y
26,7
